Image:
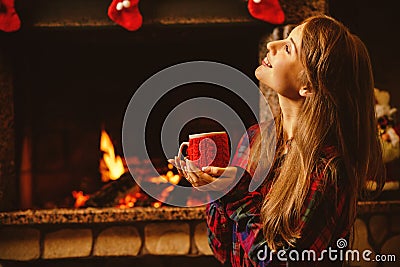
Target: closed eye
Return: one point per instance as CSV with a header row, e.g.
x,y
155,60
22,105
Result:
x,y
287,48
294,45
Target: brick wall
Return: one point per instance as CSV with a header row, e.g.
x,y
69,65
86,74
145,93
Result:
x,y
30,243
86,235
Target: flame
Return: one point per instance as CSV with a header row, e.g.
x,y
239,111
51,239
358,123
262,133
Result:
x,y
169,177
80,198
113,163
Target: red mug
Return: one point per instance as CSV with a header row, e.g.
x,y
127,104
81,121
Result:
x,y
207,149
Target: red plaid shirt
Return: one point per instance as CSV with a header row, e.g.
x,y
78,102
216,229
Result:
x,y
235,231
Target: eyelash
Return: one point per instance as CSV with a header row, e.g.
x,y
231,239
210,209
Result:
x,y
287,49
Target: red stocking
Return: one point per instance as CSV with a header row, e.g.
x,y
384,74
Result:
x,y
266,10
9,20
126,13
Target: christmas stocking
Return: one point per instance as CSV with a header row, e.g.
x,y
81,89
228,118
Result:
x,y
266,10
9,20
126,14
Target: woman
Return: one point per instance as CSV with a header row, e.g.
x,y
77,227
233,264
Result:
x,y
327,147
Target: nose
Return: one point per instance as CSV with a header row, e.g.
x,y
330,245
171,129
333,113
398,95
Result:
x,y
271,46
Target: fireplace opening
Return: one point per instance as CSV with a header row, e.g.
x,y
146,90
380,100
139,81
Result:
x,y
72,84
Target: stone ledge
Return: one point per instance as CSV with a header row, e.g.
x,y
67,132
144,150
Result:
x,y
100,215
387,206
142,214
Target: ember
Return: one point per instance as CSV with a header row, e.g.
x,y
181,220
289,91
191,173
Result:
x,y
80,198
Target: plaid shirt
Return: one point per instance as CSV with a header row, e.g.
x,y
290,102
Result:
x,y
235,230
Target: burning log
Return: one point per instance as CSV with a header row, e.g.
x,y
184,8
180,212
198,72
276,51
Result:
x,y
123,193
111,193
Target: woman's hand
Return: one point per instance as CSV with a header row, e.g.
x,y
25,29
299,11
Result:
x,y
208,179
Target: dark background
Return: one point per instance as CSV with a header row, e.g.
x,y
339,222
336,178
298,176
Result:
x,y
377,24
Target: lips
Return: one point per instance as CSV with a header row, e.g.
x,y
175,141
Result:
x,y
266,63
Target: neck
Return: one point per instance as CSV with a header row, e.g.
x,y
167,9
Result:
x,y
290,112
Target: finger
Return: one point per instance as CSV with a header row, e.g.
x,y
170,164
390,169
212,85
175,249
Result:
x,y
193,171
179,166
214,171
188,178
193,178
184,168
198,176
177,162
192,167
218,172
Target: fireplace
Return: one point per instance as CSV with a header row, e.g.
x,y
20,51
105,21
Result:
x,y
73,81
78,83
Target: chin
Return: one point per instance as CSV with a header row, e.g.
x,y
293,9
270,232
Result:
x,y
258,73
260,79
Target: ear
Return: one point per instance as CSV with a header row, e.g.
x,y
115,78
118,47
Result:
x,y
305,92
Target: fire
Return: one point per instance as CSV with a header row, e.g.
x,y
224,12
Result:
x,y
129,200
169,177
80,198
112,167
113,164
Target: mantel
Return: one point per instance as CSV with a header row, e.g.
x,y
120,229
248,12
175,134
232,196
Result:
x,y
93,13
117,215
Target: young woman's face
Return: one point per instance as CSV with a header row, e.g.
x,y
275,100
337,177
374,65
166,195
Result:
x,y
281,67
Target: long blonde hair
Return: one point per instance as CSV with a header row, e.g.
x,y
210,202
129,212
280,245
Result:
x,y
340,112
